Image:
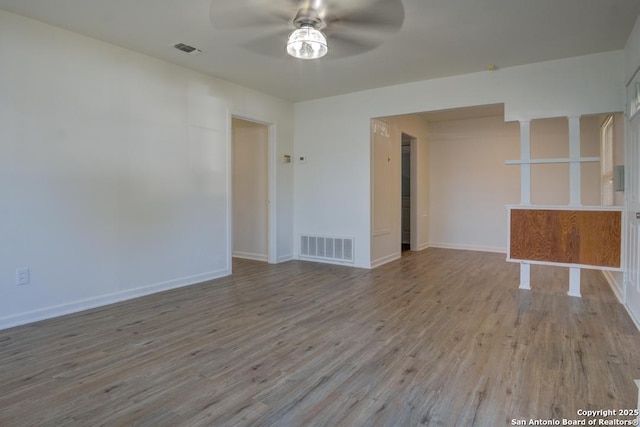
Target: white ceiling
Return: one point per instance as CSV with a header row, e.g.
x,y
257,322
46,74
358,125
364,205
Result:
x,y
438,38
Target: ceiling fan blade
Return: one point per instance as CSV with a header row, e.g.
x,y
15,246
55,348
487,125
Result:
x,y
343,45
273,44
228,14
352,27
383,15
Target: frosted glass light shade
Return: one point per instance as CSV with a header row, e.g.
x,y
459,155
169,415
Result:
x,y
307,43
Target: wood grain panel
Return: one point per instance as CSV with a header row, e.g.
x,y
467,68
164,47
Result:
x,y
579,237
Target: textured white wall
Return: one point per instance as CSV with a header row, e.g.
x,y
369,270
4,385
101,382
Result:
x,y
332,190
114,171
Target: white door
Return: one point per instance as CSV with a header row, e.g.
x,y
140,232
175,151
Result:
x,y
632,286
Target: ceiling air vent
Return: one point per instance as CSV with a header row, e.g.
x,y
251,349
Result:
x,y
187,49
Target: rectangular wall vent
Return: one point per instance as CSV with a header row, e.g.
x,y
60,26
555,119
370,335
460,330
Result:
x,y
327,248
187,49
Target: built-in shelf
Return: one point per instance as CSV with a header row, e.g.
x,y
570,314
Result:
x,y
553,160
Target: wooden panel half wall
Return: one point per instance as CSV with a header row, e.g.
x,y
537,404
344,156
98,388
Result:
x,y
581,237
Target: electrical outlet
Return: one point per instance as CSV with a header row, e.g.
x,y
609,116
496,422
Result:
x,y
22,276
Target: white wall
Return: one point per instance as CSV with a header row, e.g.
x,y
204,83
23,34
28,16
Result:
x,y
250,189
332,190
386,246
632,52
618,151
470,183
550,182
591,187
114,171
615,278
417,128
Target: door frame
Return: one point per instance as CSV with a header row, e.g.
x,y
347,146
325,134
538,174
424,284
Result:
x,y
413,194
272,256
631,279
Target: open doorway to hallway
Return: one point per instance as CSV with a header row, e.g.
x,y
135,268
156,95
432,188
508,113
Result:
x,y
250,188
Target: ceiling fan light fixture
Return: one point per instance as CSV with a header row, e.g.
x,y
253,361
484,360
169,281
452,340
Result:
x,y
307,43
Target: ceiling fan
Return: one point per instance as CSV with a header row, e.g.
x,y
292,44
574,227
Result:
x,y
308,29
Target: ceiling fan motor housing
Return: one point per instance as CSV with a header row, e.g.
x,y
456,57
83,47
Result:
x,y
308,18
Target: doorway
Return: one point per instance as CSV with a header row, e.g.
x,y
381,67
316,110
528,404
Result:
x,y
250,189
406,192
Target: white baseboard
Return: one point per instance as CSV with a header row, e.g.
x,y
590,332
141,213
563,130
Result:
x,y
632,316
424,246
468,247
284,258
89,303
617,289
248,255
615,286
384,260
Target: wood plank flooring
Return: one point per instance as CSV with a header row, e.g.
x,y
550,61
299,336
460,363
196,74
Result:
x,y
438,338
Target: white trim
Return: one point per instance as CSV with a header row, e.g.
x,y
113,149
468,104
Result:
x,y
254,257
424,246
386,259
272,241
509,241
414,203
463,247
525,169
272,164
332,262
574,282
380,127
567,208
525,276
285,258
553,160
575,168
631,315
335,261
229,197
89,303
565,264
615,286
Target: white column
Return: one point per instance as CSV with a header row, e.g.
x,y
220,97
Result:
x,y
525,190
574,165
525,168
574,282
574,191
525,275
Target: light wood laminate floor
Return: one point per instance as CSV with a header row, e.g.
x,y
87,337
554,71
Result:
x,y
440,337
